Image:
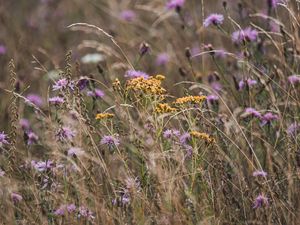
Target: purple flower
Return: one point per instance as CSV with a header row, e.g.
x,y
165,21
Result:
x,y
184,138
42,166
135,74
260,201
168,134
294,79
162,59
174,4
249,82
110,141
71,208
293,129
97,93
253,112
75,151
127,15
3,139
273,3
82,83
213,19
2,173
16,197
2,49
65,133
24,123
216,86
56,100
85,212
60,211
188,151
60,84
32,138
35,99
212,98
268,118
246,35
259,173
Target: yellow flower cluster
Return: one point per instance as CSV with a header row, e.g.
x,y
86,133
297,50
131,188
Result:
x,y
164,108
101,116
151,85
204,136
116,85
190,99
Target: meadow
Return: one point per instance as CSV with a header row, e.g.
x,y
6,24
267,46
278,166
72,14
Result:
x,y
150,112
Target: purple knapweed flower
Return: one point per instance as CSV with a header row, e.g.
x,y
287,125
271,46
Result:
x,y
294,79
246,35
75,152
184,138
2,49
24,123
253,112
110,141
97,93
42,166
135,74
35,99
213,19
60,84
65,133
162,59
71,208
259,173
175,4
85,212
3,139
249,82
268,118
32,138
168,134
56,100
293,129
16,197
216,86
260,201
212,98
127,15
60,211
82,83
188,151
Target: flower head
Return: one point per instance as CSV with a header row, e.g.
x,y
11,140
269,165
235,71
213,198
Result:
x,y
42,166
260,201
294,79
97,93
164,108
246,35
16,197
101,116
65,133
56,100
268,118
293,129
110,141
2,49
213,19
170,133
259,173
82,83
127,15
162,59
75,151
136,74
32,138
174,4
3,139
60,84
35,99
253,112
24,123
190,99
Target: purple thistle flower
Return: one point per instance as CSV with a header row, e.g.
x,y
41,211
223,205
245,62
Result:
x,y
127,15
259,173
174,4
75,151
249,82
16,197
60,211
212,98
294,79
65,133
188,151
213,19
162,59
253,112
135,74
35,99
85,212
2,49
97,93
82,83
246,35
260,201
268,118
293,129
32,138
24,123
3,139
71,208
168,134
273,3
60,84
216,86
184,138
42,166
56,100
110,141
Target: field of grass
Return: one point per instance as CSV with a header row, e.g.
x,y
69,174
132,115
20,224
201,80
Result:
x,y
150,112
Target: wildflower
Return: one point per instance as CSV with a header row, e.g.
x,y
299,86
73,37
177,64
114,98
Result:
x,y
34,99
2,49
127,15
82,83
148,86
71,208
164,108
2,173
144,48
168,134
216,86
293,129
110,141
190,99
16,197
97,93
189,151
212,98
213,19
65,133
184,138
259,173
60,211
24,123
3,139
101,116
260,201
175,4
249,82
85,212
116,85
56,100
162,59
204,136
60,84
294,79
42,166
136,74
32,138
268,118
273,3
75,152
246,35
253,112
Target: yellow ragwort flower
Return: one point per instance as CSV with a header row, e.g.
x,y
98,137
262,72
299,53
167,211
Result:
x,y
164,108
151,85
116,85
203,136
190,99
101,116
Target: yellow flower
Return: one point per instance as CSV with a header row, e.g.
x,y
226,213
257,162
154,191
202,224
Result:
x,y
164,108
203,136
160,77
190,99
151,85
117,85
101,116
